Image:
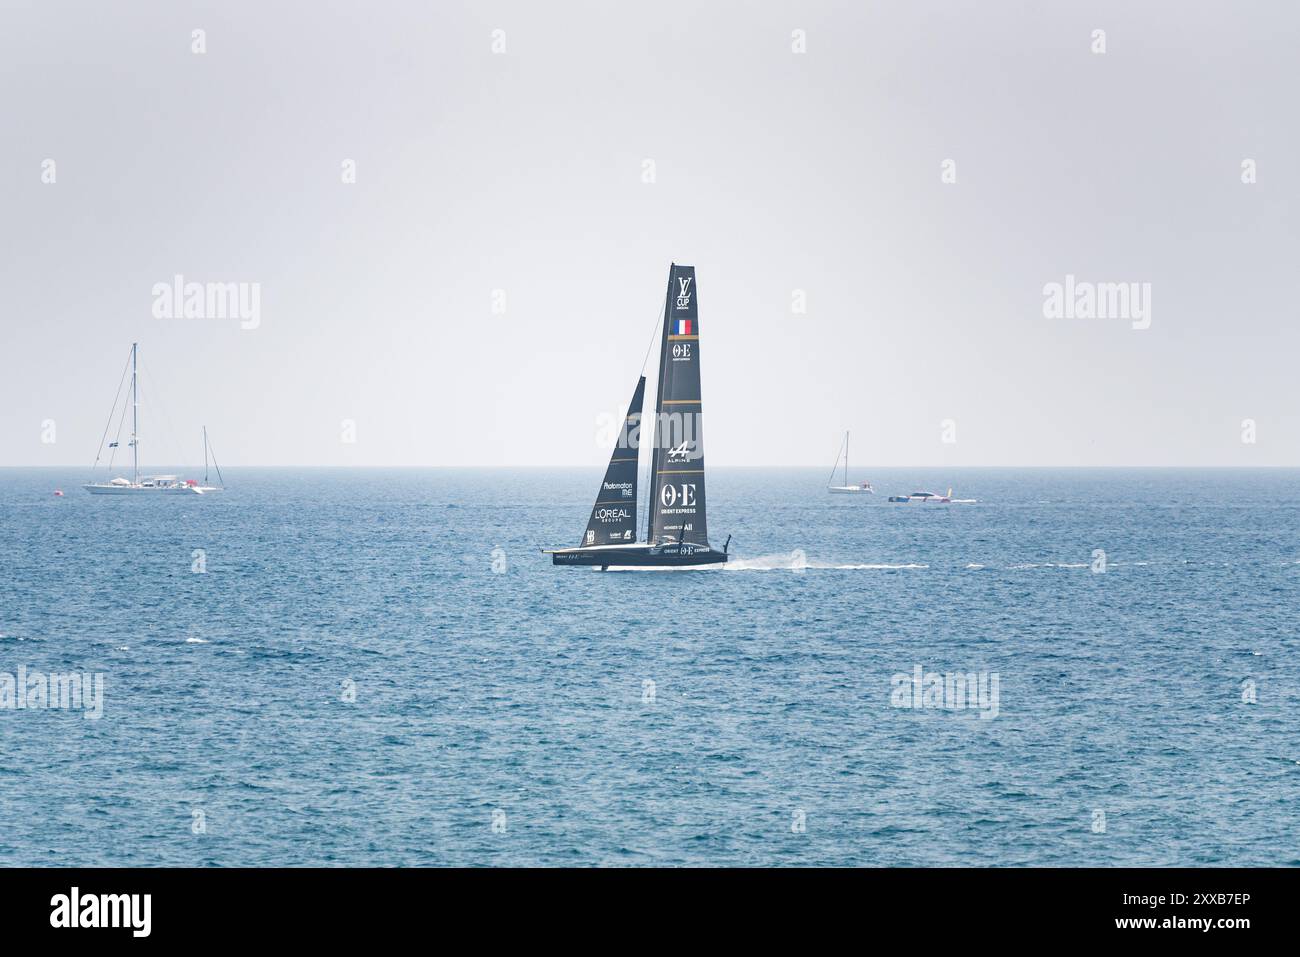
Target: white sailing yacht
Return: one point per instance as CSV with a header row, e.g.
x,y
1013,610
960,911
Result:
x,y
146,484
846,488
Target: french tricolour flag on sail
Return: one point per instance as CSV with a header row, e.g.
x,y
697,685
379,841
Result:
x,y
683,327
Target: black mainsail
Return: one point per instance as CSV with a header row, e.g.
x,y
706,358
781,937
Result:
x,y
613,517
677,473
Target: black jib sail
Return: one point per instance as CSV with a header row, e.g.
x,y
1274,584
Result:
x,y
677,475
613,517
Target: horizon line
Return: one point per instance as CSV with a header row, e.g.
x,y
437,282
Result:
x,y
156,469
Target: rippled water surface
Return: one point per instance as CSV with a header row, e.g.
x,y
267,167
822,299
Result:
x,y
740,715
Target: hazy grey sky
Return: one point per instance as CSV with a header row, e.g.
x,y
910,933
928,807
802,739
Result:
x,y
775,171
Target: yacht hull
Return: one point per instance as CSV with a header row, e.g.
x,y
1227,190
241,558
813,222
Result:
x,y
904,499
105,489
639,556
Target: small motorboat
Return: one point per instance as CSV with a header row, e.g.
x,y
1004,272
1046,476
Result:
x,y
932,498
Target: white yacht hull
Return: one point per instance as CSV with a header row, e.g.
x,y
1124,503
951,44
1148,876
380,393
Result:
x,y
103,488
850,490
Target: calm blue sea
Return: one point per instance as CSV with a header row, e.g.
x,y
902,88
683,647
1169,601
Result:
x,y
349,681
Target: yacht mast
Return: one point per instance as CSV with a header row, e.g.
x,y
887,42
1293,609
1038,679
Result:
x,y
205,455
135,420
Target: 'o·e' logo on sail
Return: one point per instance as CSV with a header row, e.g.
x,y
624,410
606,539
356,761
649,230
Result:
x,y
668,495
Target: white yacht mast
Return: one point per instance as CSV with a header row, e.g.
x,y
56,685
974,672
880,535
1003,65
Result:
x,y
135,420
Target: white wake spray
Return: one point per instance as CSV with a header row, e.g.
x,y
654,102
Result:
x,y
797,561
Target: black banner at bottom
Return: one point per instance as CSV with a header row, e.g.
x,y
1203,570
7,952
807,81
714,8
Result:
x,y
368,905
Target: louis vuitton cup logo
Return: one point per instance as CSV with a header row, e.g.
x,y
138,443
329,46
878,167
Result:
x,y
684,293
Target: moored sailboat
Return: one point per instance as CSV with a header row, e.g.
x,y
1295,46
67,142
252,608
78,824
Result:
x,y
145,484
846,488
676,531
